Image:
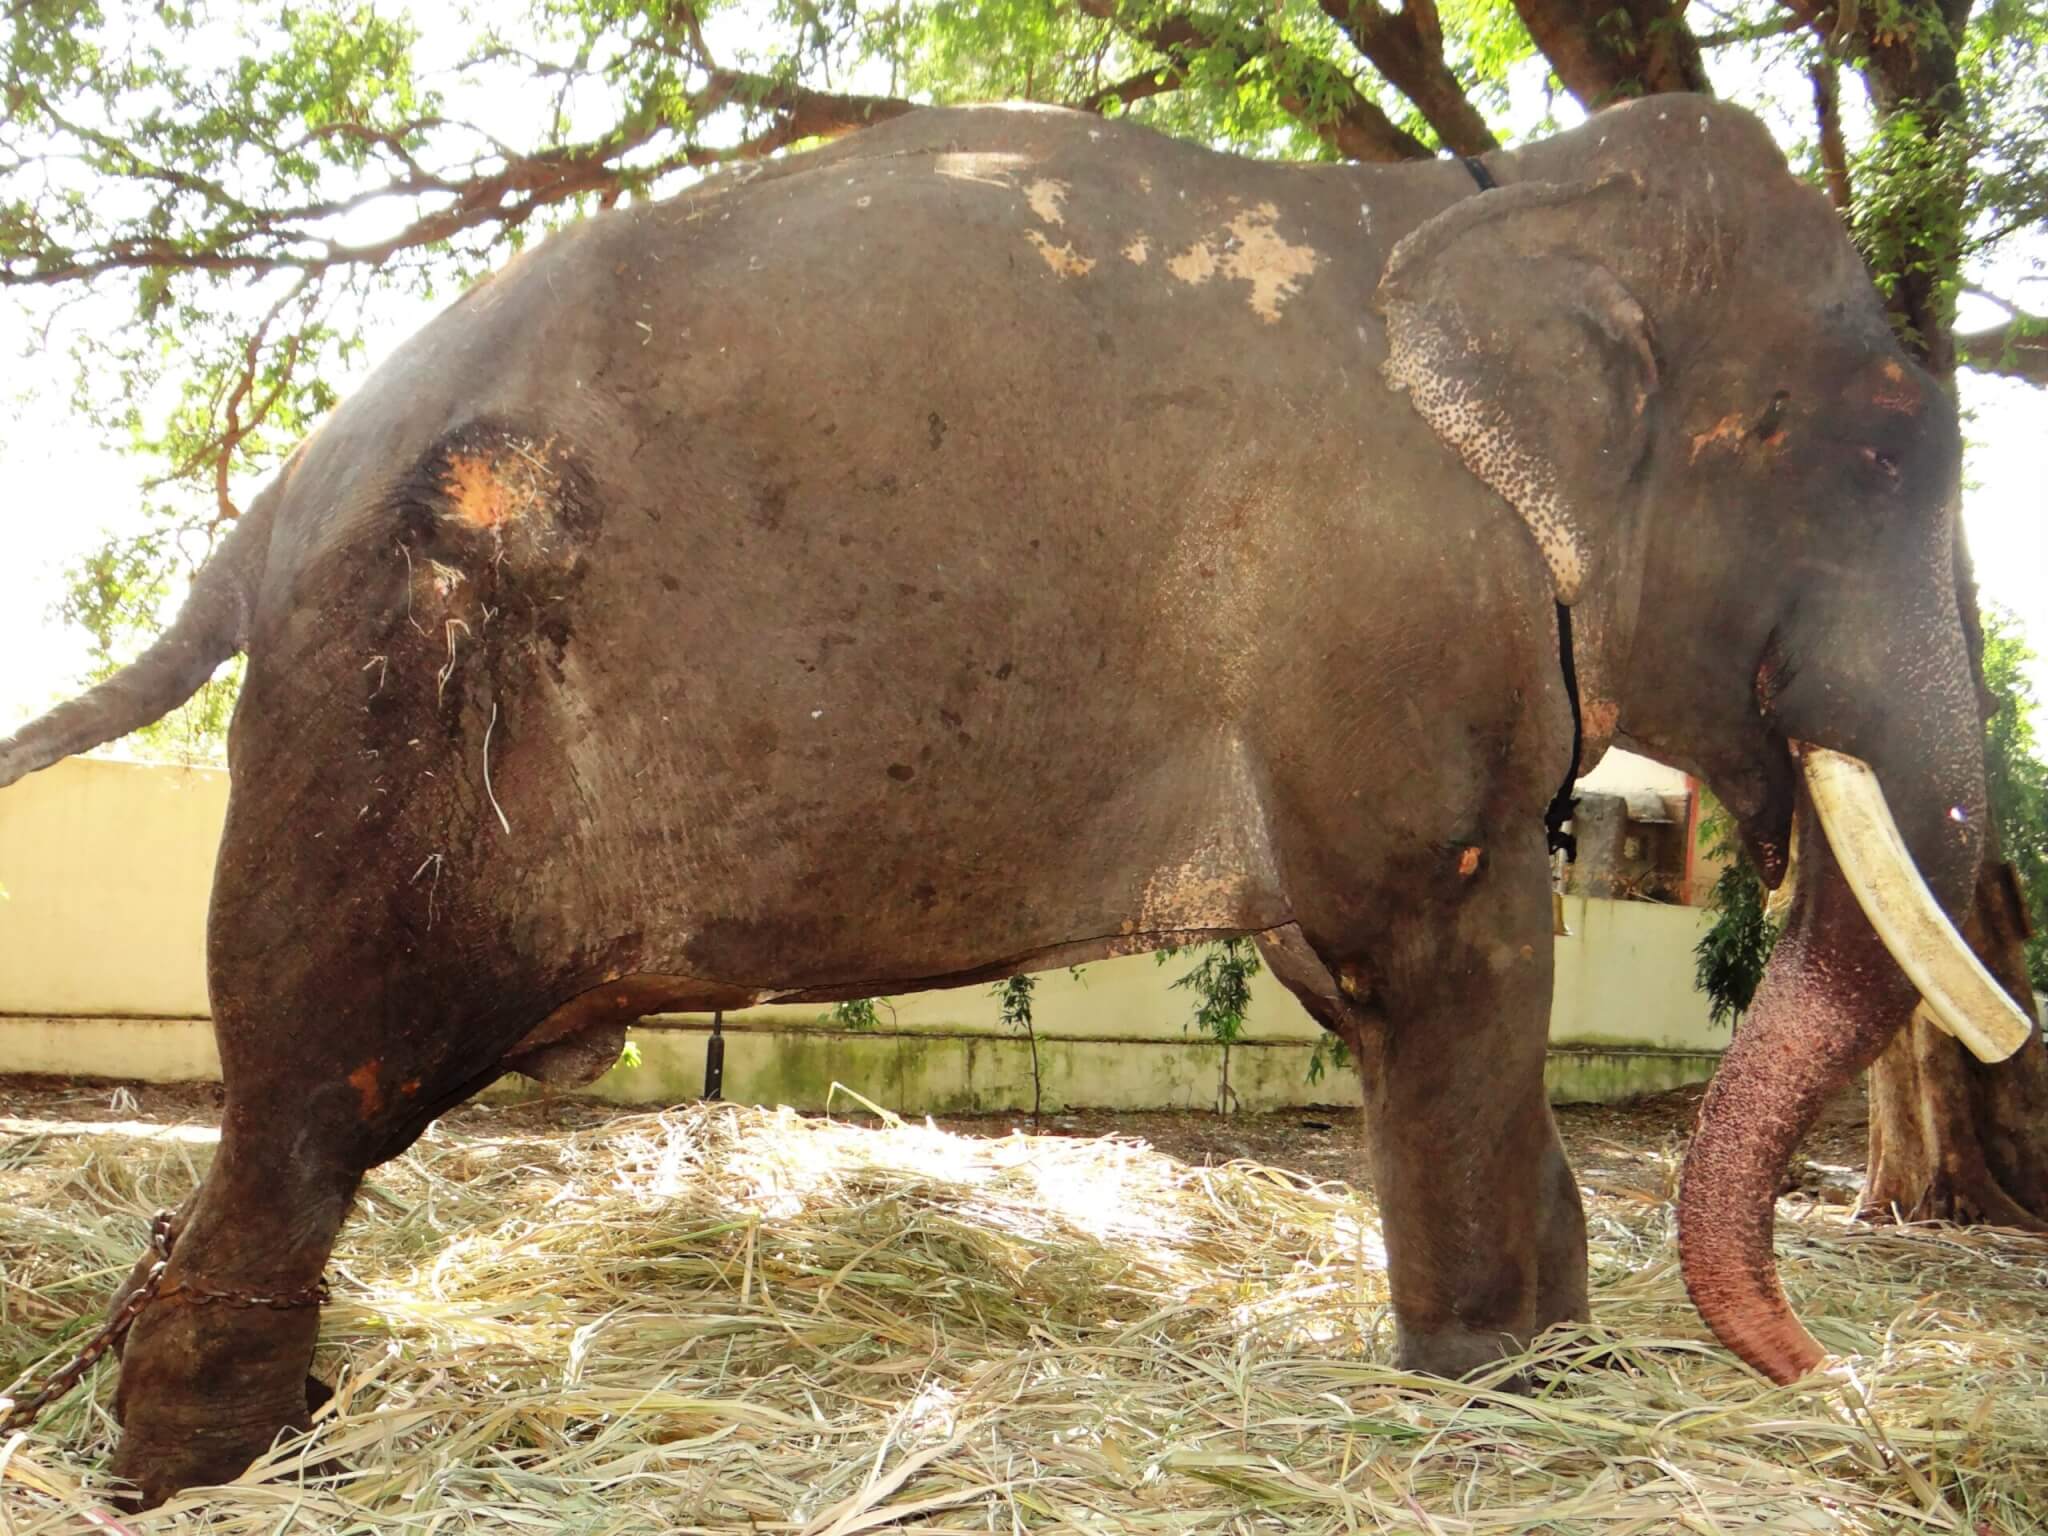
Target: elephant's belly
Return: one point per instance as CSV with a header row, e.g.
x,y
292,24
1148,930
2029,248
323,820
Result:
x,y
827,871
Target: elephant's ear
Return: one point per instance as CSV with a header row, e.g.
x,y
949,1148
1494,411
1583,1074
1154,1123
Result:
x,y
1517,341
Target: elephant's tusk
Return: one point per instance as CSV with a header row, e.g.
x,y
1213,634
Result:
x,y
1961,995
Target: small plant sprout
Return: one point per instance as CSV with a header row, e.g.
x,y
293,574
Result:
x,y
1014,998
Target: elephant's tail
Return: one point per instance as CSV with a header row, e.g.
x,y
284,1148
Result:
x,y
212,626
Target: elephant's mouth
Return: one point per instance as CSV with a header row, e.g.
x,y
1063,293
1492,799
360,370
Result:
x,y
1850,807
1960,995
1766,826
1851,810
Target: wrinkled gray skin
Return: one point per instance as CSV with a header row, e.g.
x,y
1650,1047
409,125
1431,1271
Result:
x,y
1005,539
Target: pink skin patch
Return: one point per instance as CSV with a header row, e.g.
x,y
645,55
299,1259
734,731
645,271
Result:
x,y
1897,393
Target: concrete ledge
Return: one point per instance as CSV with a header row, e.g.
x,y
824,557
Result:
x,y
962,1072
921,1071
140,1050
1592,1075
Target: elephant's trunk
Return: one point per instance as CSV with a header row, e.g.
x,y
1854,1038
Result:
x,y
1865,942
1830,1001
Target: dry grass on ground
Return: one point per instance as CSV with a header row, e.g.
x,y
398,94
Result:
x,y
742,1321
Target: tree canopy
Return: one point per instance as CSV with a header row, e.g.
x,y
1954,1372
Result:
x,y
2016,764
251,180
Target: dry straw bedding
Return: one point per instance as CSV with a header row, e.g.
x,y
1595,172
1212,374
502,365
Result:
x,y
744,1321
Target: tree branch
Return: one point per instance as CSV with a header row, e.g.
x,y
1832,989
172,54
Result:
x,y
282,239
1834,152
234,429
391,140
1407,46
810,113
1606,52
1359,130
2015,349
1909,60
1757,32
1344,117
1818,16
686,17
1139,87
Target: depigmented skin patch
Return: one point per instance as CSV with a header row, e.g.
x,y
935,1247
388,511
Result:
x,y
1196,264
369,1093
991,169
1433,368
473,492
1063,259
1737,433
1045,197
1897,392
1599,718
1139,251
1728,431
1251,250
489,492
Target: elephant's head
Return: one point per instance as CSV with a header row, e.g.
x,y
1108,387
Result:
x,y
1663,352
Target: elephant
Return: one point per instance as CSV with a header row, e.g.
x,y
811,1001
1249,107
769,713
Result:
x,y
1005,538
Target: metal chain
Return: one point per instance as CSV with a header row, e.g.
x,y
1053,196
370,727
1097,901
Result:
x,y
315,1295
20,1415
25,1412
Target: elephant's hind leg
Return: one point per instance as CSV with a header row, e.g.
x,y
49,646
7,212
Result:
x,y
323,1082
218,1363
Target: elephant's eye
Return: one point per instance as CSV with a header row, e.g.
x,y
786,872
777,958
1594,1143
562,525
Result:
x,y
1884,463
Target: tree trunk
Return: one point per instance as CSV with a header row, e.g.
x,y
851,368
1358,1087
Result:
x,y
1952,1139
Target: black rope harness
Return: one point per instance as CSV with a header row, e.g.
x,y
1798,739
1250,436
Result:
x,y
1563,802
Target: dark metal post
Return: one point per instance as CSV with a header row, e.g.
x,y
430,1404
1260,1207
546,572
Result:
x,y
714,1057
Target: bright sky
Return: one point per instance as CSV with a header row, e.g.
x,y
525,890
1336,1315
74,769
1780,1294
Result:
x,y
64,490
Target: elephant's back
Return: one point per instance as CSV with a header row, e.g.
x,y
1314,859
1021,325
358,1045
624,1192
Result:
x,y
948,330
996,466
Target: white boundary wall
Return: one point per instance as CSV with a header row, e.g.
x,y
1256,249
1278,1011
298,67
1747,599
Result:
x,y
107,866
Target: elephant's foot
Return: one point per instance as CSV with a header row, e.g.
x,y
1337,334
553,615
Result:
x,y
177,1454
1458,1347
1454,1351
205,1390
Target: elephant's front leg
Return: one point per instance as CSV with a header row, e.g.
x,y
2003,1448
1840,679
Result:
x,y
1485,1236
